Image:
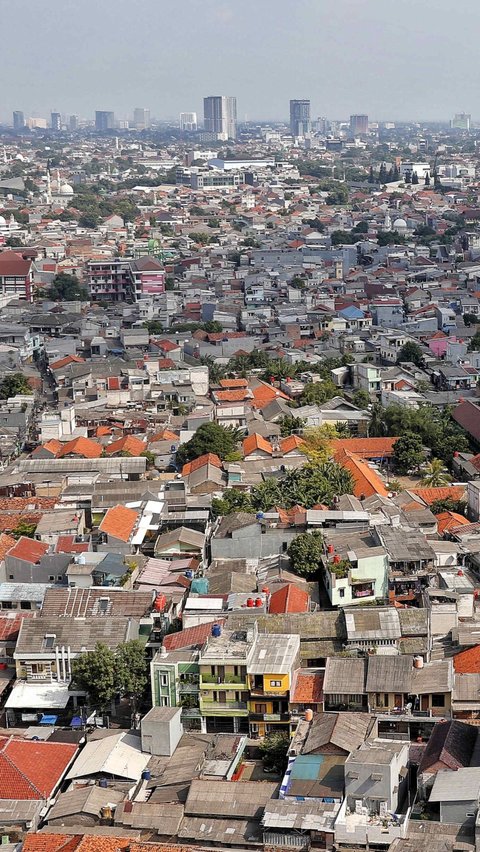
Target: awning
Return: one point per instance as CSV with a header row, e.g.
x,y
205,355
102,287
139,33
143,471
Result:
x,y
44,696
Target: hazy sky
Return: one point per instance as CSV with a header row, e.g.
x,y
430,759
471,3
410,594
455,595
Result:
x,y
389,58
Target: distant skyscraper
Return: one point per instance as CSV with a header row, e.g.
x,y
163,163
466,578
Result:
x,y
220,116
56,121
141,118
104,120
359,125
188,121
461,121
73,123
300,123
18,120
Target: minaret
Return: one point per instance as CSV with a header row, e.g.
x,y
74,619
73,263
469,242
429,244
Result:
x,y
59,182
116,143
49,187
387,222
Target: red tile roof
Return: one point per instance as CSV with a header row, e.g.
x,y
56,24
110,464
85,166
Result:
x,y
103,431
232,395
6,544
31,769
12,263
29,550
307,688
256,442
366,448
67,544
289,599
190,636
430,495
53,446
127,444
81,447
43,842
201,461
119,522
64,362
450,520
293,442
468,662
229,384
366,481
10,623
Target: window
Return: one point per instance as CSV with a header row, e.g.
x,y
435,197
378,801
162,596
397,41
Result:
x,y
49,640
51,578
341,593
10,576
163,680
275,683
103,604
438,701
260,708
25,605
164,701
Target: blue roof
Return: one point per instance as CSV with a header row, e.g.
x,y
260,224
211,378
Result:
x,y
351,312
306,766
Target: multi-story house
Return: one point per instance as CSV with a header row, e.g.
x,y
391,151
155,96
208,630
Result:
x,y
175,682
270,673
355,569
224,693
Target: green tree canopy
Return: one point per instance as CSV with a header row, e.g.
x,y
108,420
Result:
x,y
274,749
94,672
290,425
410,351
408,452
209,438
435,427
305,552
13,384
131,671
67,288
316,393
361,398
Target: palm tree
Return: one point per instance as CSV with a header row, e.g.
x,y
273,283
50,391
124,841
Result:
x,y
435,474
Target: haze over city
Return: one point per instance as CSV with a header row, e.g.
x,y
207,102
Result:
x,y
391,60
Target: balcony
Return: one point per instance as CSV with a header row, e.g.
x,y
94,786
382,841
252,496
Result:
x,y
184,688
272,693
227,682
269,717
229,708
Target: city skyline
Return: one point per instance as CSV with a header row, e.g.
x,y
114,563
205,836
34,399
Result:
x,y
400,76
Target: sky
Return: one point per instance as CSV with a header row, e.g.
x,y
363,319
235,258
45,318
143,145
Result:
x,y
392,59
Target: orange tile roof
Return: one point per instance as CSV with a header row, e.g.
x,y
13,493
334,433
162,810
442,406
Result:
x,y
289,599
366,448
43,842
53,446
166,435
256,442
293,442
232,395
81,447
31,769
127,444
430,495
229,384
119,522
102,431
449,520
264,393
64,362
201,461
366,481
29,550
308,688
6,544
468,662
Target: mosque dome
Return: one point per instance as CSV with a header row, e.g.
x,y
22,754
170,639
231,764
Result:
x,y
3,221
400,225
66,189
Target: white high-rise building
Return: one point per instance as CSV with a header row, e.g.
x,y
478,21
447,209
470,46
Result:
x,y
141,118
220,116
188,121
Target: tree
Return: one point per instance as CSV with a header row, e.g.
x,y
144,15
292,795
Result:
x,y
408,452
361,398
343,238
131,670
24,529
14,241
316,393
209,438
474,344
361,227
88,220
14,384
318,442
470,319
414,179
305,552
389,238
427,179
232,500
410,352
67,288
448,505
274,749
371,176
94,672
290,425
435,474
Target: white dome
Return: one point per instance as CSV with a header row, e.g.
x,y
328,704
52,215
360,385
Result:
x,y
399,223
66,189
3,221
